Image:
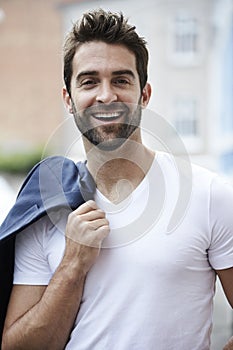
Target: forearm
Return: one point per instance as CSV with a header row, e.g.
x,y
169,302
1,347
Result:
x,y
229,345
47,325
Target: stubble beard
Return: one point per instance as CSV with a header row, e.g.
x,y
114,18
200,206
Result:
x,y
108,137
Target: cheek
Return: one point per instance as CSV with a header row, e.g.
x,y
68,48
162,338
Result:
x,y
83,100
132,97
80,103
133,103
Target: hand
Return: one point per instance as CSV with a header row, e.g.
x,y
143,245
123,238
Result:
x,y
229,345
86,228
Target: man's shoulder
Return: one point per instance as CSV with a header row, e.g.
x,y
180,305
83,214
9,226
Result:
x,y
50,185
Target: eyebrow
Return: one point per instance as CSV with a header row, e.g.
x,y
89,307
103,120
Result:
x,y
124,72
86,73
96,73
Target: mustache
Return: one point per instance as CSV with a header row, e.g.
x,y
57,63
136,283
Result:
x,y
103,108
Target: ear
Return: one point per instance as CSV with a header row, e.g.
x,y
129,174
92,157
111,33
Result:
x,y
67,100
146,94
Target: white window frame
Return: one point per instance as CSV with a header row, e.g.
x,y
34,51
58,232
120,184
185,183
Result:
x,y
184,44
186,121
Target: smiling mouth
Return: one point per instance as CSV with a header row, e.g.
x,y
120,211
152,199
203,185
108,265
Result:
x,y
107,116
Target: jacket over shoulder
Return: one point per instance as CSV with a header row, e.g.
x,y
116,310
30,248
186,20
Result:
x,y
54,183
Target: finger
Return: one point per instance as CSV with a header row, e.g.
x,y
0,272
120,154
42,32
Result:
x,y
86,207
100,234
95,240
81,230
92,237
96,224
103,231
93,215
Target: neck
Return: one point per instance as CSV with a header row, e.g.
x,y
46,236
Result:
x,y
117,173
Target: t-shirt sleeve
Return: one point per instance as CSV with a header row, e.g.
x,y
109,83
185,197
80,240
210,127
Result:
x,y
31,265
221,224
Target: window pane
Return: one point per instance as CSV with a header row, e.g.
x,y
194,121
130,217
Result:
x,y
185,35
185,116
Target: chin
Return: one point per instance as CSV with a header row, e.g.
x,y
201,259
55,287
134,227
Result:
x,y
110,145
111,138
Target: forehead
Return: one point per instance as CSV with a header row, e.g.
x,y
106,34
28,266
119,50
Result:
x,y
99,55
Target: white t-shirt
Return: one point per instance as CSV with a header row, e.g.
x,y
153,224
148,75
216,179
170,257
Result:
x,y
152,286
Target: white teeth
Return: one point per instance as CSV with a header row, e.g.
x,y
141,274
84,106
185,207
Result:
x,y
107,115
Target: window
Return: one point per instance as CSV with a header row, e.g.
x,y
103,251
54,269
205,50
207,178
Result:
x,y
186,121
185,35
185,117
185,40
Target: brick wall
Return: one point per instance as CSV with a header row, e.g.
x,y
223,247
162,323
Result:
x,y
30,72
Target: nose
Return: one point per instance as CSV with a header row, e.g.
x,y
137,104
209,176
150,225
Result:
x,y
106,93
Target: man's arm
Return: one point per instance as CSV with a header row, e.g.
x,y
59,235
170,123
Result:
x,y
226,278
42,317
229,345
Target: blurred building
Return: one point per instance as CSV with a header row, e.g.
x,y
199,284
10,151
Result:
x,y
30,72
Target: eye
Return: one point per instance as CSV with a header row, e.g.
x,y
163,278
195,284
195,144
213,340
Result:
x,y
121,81
88,83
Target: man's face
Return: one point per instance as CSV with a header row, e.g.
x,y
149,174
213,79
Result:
x,y
105,94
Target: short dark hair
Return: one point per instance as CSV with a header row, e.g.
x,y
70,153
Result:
x,y
112,28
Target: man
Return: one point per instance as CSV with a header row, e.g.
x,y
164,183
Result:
x,y
108,275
